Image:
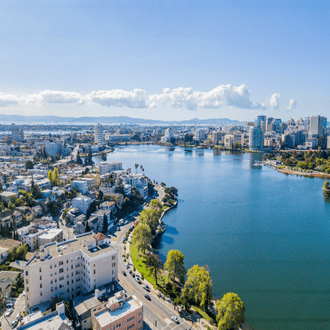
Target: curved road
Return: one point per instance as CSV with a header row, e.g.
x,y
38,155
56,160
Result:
x,y
155,309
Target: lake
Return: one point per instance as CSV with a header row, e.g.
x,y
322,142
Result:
x,y
263,234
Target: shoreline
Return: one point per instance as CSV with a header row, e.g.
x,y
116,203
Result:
x,y
311,175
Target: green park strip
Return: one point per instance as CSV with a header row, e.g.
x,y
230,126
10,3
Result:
x,y
203,314
140,263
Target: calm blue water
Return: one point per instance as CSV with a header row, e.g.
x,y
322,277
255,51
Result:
x,y
263,234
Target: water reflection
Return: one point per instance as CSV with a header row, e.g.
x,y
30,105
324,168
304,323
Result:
x,y
216,152
199,153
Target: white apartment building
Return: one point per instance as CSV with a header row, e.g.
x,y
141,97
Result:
x,y
82,203
82,186
29,235
168,135
98,134
53,148
52,235
105,167
70,269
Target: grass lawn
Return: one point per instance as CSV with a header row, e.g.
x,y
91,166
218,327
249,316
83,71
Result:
x,y
140,265
206,316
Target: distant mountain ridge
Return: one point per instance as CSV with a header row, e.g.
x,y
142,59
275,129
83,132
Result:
x,y
116,120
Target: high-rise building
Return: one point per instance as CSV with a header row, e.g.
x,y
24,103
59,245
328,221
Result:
x,y
317,125
16,133
261,122
98,134
256,138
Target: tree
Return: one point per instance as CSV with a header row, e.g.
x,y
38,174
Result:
x,y
154,265
150,218
136,166
326,185
100,195
142,237
50,176
155,204
174,265
105,224
230,312
29,165
103,156
89,157
56,177
198,287
78,159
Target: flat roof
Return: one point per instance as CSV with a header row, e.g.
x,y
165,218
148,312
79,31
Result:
x,y
68,247
106,317
51,233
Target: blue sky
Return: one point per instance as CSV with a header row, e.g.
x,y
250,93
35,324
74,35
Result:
x,y
234,59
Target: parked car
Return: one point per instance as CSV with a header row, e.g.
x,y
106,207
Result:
x,y
18,316
124,273
145,287
13,324
9,311
133,275
9,305
127,266
124,259
175,319
137,280
147,296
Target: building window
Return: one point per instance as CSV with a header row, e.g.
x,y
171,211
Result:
x,y
51,266
51,289
40,270
40,285
61,270
60,263
27,281
94,271
40,293
113,257
51,282
26,273
113,264
40,277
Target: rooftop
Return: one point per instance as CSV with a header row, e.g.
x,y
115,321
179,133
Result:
x,y
84,242
106,317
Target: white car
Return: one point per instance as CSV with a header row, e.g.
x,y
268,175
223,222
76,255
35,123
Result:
x,y
9,311
175,319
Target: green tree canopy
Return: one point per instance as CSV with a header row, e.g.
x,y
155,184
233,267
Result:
x,y
142,237
150,218
198,286
153,265
174,265
29,165
230,312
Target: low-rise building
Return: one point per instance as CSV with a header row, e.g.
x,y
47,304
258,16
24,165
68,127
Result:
x,y
53,320
82,186
29,235
52,235
105,167
90,182
82,203
4,253
120,311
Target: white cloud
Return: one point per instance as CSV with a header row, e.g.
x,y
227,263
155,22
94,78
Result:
x,y
273,102
181,97
119,98
8,99
50,97
292,105
222,95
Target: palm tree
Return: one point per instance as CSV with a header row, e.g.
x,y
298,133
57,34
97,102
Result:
x,y
136,166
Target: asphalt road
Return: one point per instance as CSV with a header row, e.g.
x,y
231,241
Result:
x,y
155,309
18,308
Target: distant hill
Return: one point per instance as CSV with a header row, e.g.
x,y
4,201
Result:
x,y
115,120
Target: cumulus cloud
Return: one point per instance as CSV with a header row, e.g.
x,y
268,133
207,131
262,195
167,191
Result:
x,y
292,105
119,98
273,102
222,95
50,97
181,97
6,100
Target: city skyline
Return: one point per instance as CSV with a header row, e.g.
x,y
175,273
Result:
x,y
165,61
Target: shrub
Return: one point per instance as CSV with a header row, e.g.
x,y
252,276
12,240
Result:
x,y
212,322
142,276
20,290
125,247
127,255
134,269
